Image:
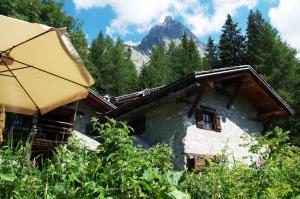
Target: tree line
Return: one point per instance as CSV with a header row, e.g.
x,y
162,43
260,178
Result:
x,y
261,47
110,64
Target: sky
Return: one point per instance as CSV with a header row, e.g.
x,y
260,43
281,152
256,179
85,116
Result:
x,y
132,19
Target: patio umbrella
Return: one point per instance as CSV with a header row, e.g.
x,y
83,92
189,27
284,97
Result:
x,y
39,68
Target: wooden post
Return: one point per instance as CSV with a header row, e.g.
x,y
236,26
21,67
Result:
x,y
2,122
195,104
75,114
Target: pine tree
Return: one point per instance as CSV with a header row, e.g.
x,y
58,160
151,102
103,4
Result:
x,y
211,58
294,121
276,61
189,59
158,72
116,74
184,56
195,60
97,57
231,48
173,55
254,42
126,79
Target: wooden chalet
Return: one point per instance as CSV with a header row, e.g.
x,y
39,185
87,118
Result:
x,y
55,127
201,112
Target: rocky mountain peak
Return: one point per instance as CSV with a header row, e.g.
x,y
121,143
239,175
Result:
x,y
169,30
164,33
168,19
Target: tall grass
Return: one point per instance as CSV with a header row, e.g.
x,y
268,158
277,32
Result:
x,y
118,169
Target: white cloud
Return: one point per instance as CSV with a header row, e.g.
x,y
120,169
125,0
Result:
x,y
143,14
285,18
131,43
203,24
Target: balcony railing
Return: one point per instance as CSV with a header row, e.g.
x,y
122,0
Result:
x,y
46,133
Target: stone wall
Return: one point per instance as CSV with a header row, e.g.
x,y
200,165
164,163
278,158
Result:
x,y
168,123
164,125
240,120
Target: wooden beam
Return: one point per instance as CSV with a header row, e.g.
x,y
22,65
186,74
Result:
x,y
195,104
200,88
263,116
193,91
75,114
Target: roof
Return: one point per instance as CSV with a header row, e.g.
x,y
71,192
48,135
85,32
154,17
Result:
x,y
125,99
253,88
99,102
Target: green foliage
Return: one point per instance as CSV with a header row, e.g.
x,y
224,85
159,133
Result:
x,y
268,54
277,175
211,59
189,58
158,72
118,169
232,46
276,61
171,64
254,39
18,176
115,73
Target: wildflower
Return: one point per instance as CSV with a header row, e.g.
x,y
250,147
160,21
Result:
x,y
34,162
259,163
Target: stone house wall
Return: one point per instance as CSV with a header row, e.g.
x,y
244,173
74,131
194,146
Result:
x,y
168,123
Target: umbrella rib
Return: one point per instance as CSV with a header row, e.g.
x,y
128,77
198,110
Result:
x,y
3,71
19,44
59,77
6,75
2,61
44,71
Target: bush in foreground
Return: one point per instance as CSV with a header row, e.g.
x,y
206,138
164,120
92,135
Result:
x,y
275,175
118,169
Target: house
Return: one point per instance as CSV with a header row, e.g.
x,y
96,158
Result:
x,y
55,127
202,112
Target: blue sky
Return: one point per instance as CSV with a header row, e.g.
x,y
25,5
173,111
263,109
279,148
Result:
x,y
132,19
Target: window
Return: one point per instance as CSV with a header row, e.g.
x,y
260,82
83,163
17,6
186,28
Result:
x,y
208,119
197,162
138,125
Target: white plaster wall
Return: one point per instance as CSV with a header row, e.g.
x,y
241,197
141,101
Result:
x,y
236,122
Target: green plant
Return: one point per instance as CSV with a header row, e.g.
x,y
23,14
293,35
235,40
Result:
x,y
118,169
275,175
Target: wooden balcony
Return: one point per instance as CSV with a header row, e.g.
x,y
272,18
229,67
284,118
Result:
x,y
44,133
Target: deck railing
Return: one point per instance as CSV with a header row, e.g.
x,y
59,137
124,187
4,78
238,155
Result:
x,y
46,133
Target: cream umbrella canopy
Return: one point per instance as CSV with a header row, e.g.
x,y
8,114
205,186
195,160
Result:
x,y
39,68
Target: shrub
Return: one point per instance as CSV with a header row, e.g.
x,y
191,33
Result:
x,y
276,175
118,169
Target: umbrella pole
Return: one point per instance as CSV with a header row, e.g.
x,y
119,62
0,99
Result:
x,y
75,114
34,130
2,123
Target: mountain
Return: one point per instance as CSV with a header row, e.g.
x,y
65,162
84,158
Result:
x,y
169,30
138,58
